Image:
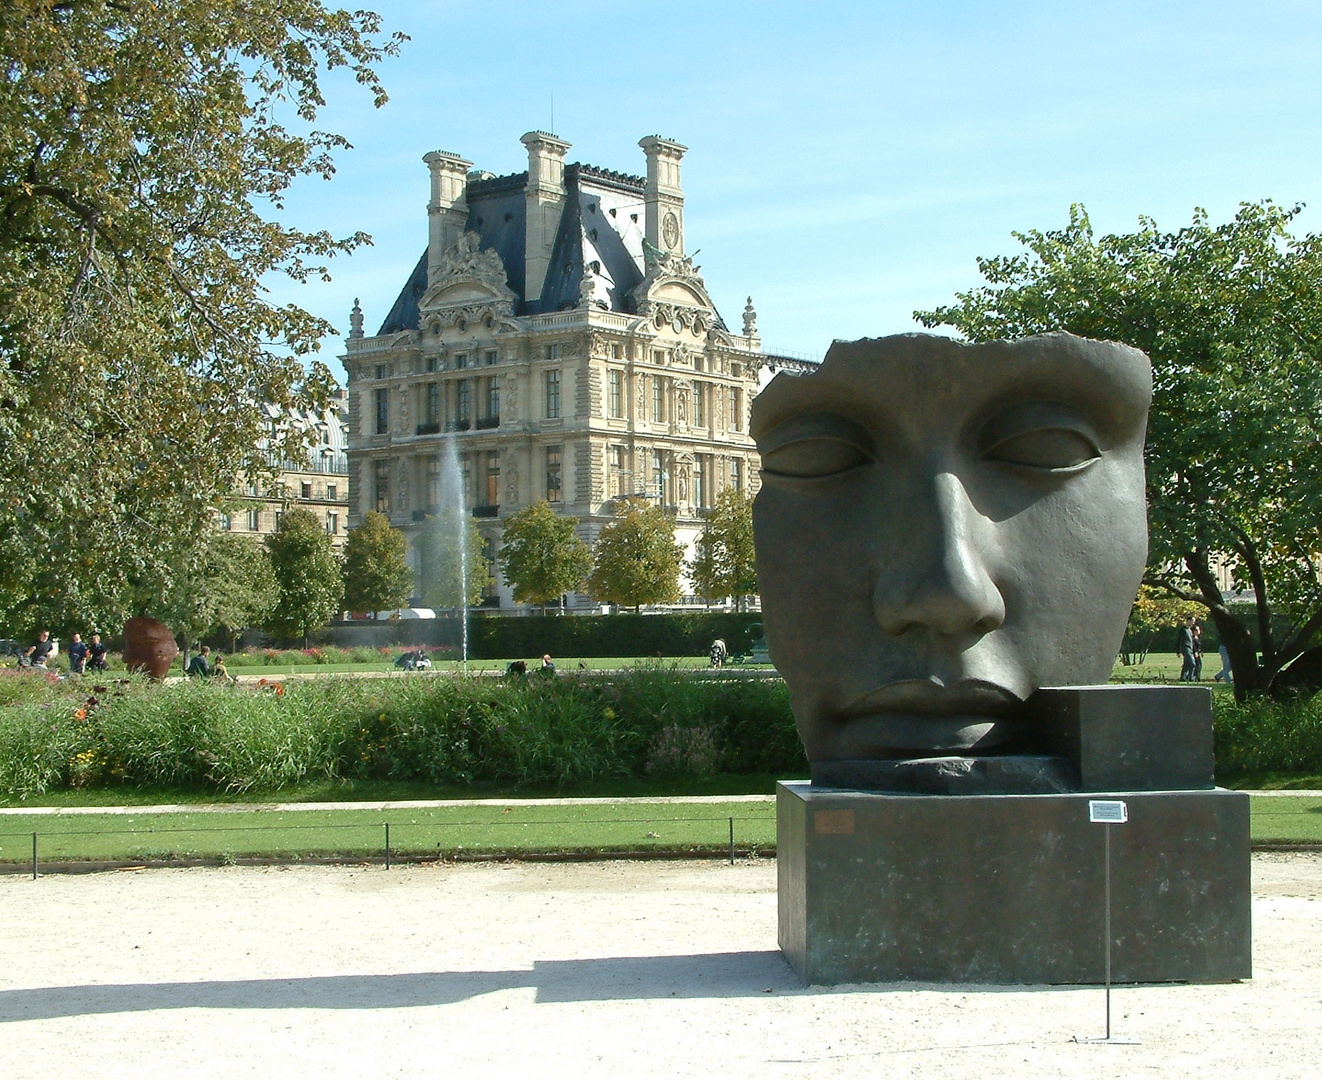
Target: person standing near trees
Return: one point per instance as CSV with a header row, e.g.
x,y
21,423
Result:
x,y
1184,646
1197,653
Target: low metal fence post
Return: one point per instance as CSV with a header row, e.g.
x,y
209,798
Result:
x,y
34,856
732,841
387,845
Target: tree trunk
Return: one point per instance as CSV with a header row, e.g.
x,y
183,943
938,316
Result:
x,y
1250,679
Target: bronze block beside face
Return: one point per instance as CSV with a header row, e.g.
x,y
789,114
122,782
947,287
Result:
x,y
1129,738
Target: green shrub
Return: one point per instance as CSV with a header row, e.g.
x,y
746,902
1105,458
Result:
x,y
210,736
1268,736
682,752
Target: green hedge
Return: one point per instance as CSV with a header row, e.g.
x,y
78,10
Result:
x,y
209,736
491,638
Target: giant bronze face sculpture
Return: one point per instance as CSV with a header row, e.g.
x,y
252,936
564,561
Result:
x,y
941,530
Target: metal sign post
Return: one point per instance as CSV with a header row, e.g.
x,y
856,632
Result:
x,y
1107,812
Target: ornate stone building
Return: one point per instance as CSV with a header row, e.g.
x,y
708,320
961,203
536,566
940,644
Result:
x,y
556,330
320,485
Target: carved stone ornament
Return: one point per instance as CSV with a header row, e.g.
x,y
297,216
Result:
x,y
664,267
402,499
463,263
670,229
467,260
587,289
509,476
750,319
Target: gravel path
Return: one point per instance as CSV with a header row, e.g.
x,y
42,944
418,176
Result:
x,y
572,970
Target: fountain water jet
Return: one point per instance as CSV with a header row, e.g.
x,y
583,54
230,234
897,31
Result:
x,y
446,558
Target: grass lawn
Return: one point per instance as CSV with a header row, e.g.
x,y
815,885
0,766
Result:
x,y
315,791
490,828
1156,667
493,827
1165,667
1286,819
480,667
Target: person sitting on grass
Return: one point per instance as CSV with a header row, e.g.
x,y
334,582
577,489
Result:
x,y
96,654
201,663
548,668
219,671
42,651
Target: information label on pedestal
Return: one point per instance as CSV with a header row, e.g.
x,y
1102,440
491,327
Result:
x,y
1108,811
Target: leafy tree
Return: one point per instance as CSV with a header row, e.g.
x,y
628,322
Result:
x,y
636,560
376,569
1154,610
1231,316
227,581
443,559
724,564
307,575
143,147
541,555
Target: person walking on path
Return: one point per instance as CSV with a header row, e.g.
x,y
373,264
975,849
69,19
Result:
x,y
1184,646
77,655
1225,675
1197,653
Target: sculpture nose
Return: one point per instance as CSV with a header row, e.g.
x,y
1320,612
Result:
x,y
937,578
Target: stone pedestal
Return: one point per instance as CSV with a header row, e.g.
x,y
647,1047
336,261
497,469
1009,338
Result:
x,y
1009,888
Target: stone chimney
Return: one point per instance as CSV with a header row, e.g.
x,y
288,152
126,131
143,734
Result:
x,y
663,194
447,213
546,204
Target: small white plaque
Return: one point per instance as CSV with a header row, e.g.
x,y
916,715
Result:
x,y
1108,811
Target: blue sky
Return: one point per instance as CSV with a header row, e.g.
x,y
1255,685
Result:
x,y
847,162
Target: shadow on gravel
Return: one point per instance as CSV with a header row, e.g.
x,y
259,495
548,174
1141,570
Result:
x,y
714,975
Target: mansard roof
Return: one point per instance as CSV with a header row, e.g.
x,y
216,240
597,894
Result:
x,y
602,228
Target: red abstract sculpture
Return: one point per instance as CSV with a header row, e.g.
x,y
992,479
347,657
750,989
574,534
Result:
x,y
149,646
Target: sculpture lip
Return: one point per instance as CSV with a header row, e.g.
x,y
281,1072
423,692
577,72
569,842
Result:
x,y
934,697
